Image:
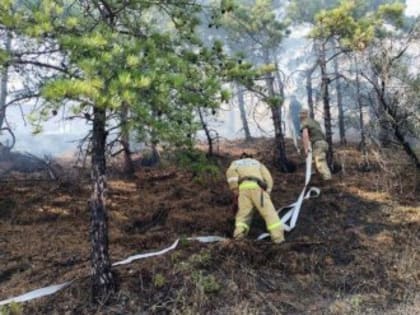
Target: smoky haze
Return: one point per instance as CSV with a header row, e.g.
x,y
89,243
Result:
x,y
60,136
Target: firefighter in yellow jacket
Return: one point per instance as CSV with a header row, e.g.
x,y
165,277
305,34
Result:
x,y
252,183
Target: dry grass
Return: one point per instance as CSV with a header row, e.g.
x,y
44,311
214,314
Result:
x,y
355,249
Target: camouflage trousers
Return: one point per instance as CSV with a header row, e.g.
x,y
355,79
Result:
x,y
319,149
250,199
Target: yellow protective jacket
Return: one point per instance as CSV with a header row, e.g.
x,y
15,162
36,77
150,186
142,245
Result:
x,y
248,167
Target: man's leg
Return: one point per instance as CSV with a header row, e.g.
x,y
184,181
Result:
x,y
320,155
244,215
267,211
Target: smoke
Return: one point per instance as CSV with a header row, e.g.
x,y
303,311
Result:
x,y
56,138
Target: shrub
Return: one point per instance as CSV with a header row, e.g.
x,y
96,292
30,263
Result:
x,y
11,309
202,168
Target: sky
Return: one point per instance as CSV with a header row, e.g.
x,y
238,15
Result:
x,y
413,7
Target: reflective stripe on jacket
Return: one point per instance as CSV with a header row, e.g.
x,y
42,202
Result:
x,y
248,168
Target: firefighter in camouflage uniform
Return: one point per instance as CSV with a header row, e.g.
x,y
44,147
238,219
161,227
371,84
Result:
x,y
312,134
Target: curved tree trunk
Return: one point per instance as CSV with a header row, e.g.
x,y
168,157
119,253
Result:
x,y
103,284
385,129
396,127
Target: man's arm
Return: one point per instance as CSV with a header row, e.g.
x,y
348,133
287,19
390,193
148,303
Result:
x,y
232,178
265,173
305,140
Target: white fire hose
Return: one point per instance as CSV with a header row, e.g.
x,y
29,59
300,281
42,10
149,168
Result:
x,y
291,216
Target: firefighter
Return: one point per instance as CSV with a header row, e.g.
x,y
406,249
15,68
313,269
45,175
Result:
x,y
251,183
312,134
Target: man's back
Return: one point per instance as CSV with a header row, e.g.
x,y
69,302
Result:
x,y
247,167
314,128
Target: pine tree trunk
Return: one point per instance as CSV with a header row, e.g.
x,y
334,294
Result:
x,y
309,91
125,142
103,284
241,103
385,128
342,130
326,101
397,131
284,164
4,81
281,94
362,146
361,118
155,153
407,147
207,132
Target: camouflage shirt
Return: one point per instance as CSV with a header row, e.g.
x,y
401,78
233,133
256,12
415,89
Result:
x,y
314,129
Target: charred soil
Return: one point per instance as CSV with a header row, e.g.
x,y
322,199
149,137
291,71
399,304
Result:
x,y
355,250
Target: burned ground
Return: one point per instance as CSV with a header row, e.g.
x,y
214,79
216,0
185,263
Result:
x,y
355,249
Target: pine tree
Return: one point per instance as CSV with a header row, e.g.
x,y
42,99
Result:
x,y
117,59
338,27
253,28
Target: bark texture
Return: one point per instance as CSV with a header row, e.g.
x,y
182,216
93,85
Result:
x,y
241,103
125,142
341,127
103,284
325,81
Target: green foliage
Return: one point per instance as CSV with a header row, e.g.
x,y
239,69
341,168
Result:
x,y
225,95
253,26
73,88
176,257
202,168
153,61
392,13
274,101
159,280
340,22
4,57
202,259
11,309
353,27
227,6
208,284
254,31
183,241
305,11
